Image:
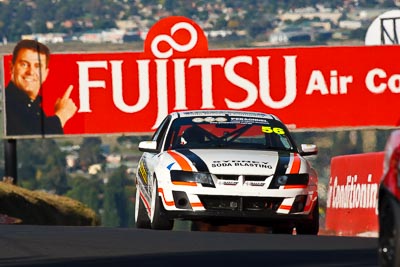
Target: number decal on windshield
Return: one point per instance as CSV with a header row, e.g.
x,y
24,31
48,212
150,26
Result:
x,y
269,129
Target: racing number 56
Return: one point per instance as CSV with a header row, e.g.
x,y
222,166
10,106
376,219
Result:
x,y
269,129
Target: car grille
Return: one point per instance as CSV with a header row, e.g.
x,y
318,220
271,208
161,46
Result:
x,y
235,203
255,178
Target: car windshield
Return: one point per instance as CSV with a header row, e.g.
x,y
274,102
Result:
x,y
228,132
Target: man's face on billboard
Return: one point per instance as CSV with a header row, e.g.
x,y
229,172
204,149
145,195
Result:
x,y
29,71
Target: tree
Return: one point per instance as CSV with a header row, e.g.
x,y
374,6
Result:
x,y
169,5
110,214
41,164
87,190
117,208
41,15
90,152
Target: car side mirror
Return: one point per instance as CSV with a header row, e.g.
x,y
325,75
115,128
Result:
x,y
148,146
308,150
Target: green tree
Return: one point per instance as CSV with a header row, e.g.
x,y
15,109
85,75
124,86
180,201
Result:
x,y
90,152
117,208
27,163
53,169
169,5
110,214
41,164
87,191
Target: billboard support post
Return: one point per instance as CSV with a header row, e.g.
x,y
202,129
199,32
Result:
x,y
10,158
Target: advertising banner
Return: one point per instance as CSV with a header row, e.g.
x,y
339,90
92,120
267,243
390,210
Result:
x,y
131,92
353,194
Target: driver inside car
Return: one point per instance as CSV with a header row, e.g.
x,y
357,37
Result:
x,y
193,136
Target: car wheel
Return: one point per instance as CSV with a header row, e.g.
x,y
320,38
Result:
x,y
310,227
389,232
158,219
141,218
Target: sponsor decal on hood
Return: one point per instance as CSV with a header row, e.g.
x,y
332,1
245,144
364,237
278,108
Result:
x,y
237,161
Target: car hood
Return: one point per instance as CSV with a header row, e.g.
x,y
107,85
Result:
x,y
228,161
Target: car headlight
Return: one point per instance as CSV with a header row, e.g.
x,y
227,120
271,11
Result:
x,y
289,179
198,177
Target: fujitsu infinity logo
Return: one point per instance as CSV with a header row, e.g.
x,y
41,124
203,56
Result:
x,y
172,43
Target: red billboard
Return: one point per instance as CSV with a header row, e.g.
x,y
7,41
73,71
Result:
x,y
131,92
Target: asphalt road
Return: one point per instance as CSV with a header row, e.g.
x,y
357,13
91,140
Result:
x,y
22,245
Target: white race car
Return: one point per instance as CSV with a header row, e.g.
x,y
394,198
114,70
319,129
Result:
x,y
224,166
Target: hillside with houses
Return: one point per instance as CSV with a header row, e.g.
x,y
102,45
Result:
x,y
269,22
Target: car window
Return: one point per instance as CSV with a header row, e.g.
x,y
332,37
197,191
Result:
x,y
231,133
160,132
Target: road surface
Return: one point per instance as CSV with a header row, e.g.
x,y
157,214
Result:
x,y
24,245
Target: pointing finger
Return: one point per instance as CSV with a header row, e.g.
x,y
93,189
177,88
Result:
x,y
68,92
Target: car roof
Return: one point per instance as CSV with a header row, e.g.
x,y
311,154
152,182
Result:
x,y
237,113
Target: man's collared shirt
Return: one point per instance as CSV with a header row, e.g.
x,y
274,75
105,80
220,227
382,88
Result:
x,y
25,116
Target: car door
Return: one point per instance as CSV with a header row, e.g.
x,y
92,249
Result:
x,y
150,160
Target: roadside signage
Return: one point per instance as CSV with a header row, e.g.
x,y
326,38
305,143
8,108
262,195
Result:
x,y
352,204
309,88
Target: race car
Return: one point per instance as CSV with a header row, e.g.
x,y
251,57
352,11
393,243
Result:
x,y
389,204
226,166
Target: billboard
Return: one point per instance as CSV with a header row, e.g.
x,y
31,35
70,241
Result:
x,y
309,88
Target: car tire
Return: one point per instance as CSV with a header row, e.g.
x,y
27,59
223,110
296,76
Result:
x,y
141,218
158,219
389,231
310,227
